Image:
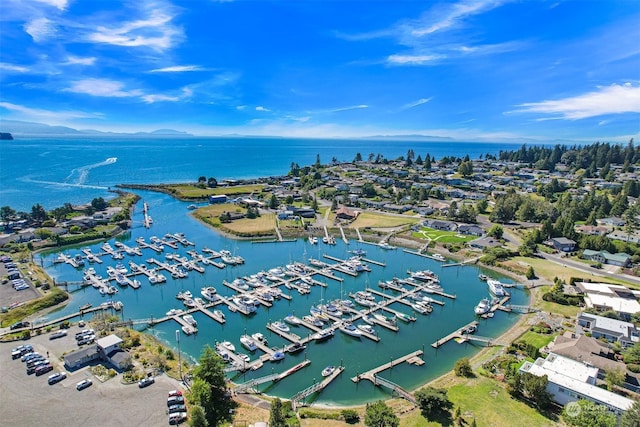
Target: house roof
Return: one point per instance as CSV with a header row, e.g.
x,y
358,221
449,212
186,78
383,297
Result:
x,y
563,241
79,355
108,341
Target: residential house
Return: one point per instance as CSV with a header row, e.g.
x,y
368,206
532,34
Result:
x,y
605,297
612,330
346,213
470,230
593,230
563,244
604,257
624,236
485,243
586,350
569,381
611,221
441,225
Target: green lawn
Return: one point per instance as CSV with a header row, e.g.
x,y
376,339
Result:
x,y
552,307
489,403
442,236
536,339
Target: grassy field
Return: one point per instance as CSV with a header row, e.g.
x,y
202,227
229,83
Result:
x,y
264,224
190,191
552,307
536,339
378,220
442,236
489,403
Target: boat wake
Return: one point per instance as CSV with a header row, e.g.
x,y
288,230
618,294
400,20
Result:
x,y
65,184
82,173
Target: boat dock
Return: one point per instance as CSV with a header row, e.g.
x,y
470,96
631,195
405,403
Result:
x,y
412,358
315,388
458,333
252,384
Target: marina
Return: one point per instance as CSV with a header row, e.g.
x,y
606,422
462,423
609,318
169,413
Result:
x,y
257,293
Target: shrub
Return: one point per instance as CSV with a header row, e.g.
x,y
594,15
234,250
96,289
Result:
x,y
350,416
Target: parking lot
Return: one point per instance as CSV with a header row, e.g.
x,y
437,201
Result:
x,y
28,400
8,295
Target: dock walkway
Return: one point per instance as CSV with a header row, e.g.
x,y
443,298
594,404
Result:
x,y
458,333
298,399
413,358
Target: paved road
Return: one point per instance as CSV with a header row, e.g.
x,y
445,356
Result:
x,y
590,271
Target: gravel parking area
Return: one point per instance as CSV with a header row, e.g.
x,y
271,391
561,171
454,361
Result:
x,y
28,400
9,296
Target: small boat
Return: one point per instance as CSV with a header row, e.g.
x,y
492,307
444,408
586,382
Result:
x,y
174,311
191,207
420,308
358,252
322,335
188,330
438,257
112,290
260,338
328,371
248,343
120,268
219,313
245,357
189,302
190,320
349,329
227,345
117,306
292,320
386,246
313,321
367,329
85,306
277,356
496,288
210,293
405,317
296,347
483,277
313,240
483,307
384,319
280,326
368,319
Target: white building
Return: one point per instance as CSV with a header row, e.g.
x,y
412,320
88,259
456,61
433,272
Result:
x,y
605,296
613,330
569,381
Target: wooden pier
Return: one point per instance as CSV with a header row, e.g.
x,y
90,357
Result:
x,y
458,333
315,388
412,358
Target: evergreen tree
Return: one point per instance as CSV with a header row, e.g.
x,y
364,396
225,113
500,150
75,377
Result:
x,y
378,414
209,388
276,415
198,418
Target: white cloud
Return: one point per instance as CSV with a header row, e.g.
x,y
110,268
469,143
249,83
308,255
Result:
x,y
614,99
420,101
154,30
37,114
76,60
448,16
40,29
102,87
261,108
353,107
177,69
11,67
150,99
412,59
60,4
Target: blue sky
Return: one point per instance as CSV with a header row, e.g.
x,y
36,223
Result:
x,y
468,70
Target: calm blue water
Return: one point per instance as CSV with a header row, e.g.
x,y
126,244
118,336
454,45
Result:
x,y
75,170
55,171
357,355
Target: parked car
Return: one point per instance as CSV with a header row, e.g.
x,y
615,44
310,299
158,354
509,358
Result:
x,y
177,408
43,369
177,418
29,356
145,382
56,378
84,384
18,325
175,400
175,393
58,334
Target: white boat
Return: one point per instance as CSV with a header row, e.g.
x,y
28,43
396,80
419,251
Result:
x,y
496,288
210,293
188,330
328,371
292,320
386,246
424,276
189,302
219,313
117,306
483,307
313,240
112,290
190,320
120,268
277,356
384,319
438,257
296,347
405,317
367,328
280,326
313,321
174,311
259,337
349,329
322,335
248,343
483,277
421,308
227,345
184,295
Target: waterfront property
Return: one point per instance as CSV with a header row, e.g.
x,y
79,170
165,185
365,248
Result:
x,y
612,330
606,296
569,381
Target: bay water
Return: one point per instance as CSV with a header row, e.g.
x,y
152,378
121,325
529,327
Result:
x,y
53,172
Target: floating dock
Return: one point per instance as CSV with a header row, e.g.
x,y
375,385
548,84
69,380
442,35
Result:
x,y
458,333
412,358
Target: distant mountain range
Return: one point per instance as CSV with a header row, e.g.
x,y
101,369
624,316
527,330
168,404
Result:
x,y
19,128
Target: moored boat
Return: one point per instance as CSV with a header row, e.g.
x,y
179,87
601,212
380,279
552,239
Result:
x,y
277,356
328,371
483,307
496,288
349,329
248,343
322,335
190,320
280,326
367,328
209,293
292,320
